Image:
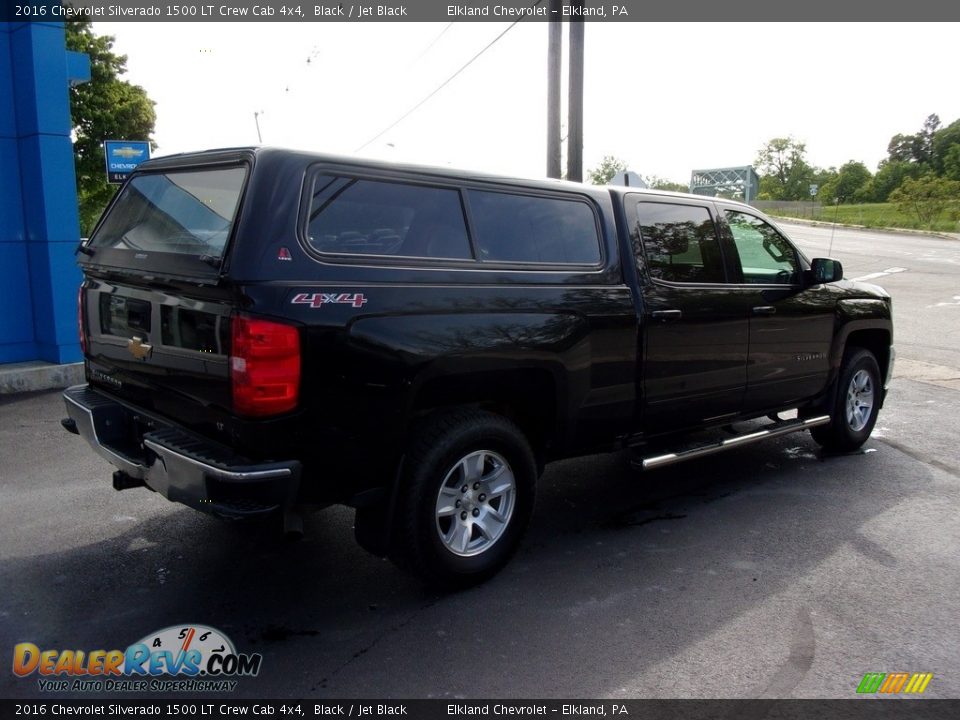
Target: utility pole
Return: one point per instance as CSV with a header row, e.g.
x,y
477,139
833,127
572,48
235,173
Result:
x,y
554,39
575,99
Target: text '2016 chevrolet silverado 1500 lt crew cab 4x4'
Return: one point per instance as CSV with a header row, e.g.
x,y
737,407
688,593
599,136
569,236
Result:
x,y
266,330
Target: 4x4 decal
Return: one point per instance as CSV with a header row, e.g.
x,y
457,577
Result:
x,y
316,300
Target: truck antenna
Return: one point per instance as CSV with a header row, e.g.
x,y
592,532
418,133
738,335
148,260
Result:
x,y
833,230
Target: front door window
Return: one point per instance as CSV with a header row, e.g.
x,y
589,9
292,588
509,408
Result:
x,y
765,255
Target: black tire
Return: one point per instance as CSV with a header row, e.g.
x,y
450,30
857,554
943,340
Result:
x,y
448,544
850,425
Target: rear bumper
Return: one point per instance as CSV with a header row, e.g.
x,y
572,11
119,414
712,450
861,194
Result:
x,y
181,466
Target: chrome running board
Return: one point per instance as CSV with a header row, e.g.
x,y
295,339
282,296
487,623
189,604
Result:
x,y
781,428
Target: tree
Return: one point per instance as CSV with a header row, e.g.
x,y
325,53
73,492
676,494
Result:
x,y
951,163
926,197
945,139
659,183
890,175
106,108
901,147
924,145
846,183
603,173
785,174
915,148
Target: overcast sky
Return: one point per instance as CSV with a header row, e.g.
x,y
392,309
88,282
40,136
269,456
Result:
x,y
667,98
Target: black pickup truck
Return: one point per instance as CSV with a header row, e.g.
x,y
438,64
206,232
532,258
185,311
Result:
x,y
268,330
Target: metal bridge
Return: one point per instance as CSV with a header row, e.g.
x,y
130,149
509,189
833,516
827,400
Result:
x,y
740,183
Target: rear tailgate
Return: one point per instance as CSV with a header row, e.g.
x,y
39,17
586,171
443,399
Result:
x,y
161,350
156,309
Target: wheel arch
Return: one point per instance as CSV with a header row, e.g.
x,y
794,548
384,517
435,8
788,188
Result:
x,y
877,341
459,433
875,336
529,396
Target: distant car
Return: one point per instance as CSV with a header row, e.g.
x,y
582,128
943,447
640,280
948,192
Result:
x,y
266,330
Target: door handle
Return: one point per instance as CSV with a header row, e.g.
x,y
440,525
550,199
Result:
x,y
765,310
667,314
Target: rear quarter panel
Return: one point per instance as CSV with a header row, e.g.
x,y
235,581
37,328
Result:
x,y
378,338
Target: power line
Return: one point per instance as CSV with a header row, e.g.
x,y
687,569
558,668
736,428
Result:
x,y
315,53
434,42
442,85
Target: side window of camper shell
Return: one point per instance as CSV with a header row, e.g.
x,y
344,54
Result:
x,y
379,218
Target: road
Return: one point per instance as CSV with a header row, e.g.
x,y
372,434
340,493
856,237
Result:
x,y
923,275
769,571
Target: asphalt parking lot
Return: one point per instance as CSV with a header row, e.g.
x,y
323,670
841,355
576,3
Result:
x,y
765,572
769,571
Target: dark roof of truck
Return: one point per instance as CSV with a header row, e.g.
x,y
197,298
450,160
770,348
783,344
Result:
x,y
237,154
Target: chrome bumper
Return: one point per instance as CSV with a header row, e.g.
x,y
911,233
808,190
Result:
x,y
183,467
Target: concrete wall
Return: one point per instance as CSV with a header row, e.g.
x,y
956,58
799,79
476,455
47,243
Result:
x,y
39,226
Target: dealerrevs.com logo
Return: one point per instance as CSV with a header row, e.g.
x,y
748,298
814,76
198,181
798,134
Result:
x,y
178,658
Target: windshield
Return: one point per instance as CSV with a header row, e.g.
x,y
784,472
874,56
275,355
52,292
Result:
x,y
186,212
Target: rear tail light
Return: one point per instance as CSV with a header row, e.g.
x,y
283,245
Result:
x,y
81,323
264,366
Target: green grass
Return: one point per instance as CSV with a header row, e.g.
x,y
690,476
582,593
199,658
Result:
x,y
875,215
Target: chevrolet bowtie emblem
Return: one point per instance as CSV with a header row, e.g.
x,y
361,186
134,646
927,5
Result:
x,y
128,152
139,349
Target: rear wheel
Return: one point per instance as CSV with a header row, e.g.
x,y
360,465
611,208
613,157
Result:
x,y
856,406
466,495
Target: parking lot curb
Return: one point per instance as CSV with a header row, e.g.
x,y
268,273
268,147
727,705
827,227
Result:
x,y
33,376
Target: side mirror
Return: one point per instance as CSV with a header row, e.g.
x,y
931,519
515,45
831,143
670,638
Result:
x,y
825,270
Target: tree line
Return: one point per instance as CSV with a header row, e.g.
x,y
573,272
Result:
x,y
921,173
932,152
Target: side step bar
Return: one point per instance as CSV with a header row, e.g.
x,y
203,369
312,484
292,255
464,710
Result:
x,y
782,428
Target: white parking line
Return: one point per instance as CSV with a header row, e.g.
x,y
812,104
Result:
x,y
888,271
955,303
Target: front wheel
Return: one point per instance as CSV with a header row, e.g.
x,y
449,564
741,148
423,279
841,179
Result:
x,y
466,495
856,406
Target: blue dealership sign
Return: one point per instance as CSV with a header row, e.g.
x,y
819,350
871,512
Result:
x,y
123,156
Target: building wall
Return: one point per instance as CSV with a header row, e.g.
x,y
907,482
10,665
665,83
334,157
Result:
x,y
39,225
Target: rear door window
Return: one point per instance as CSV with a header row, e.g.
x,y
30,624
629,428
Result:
x,y
680,243
351,216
